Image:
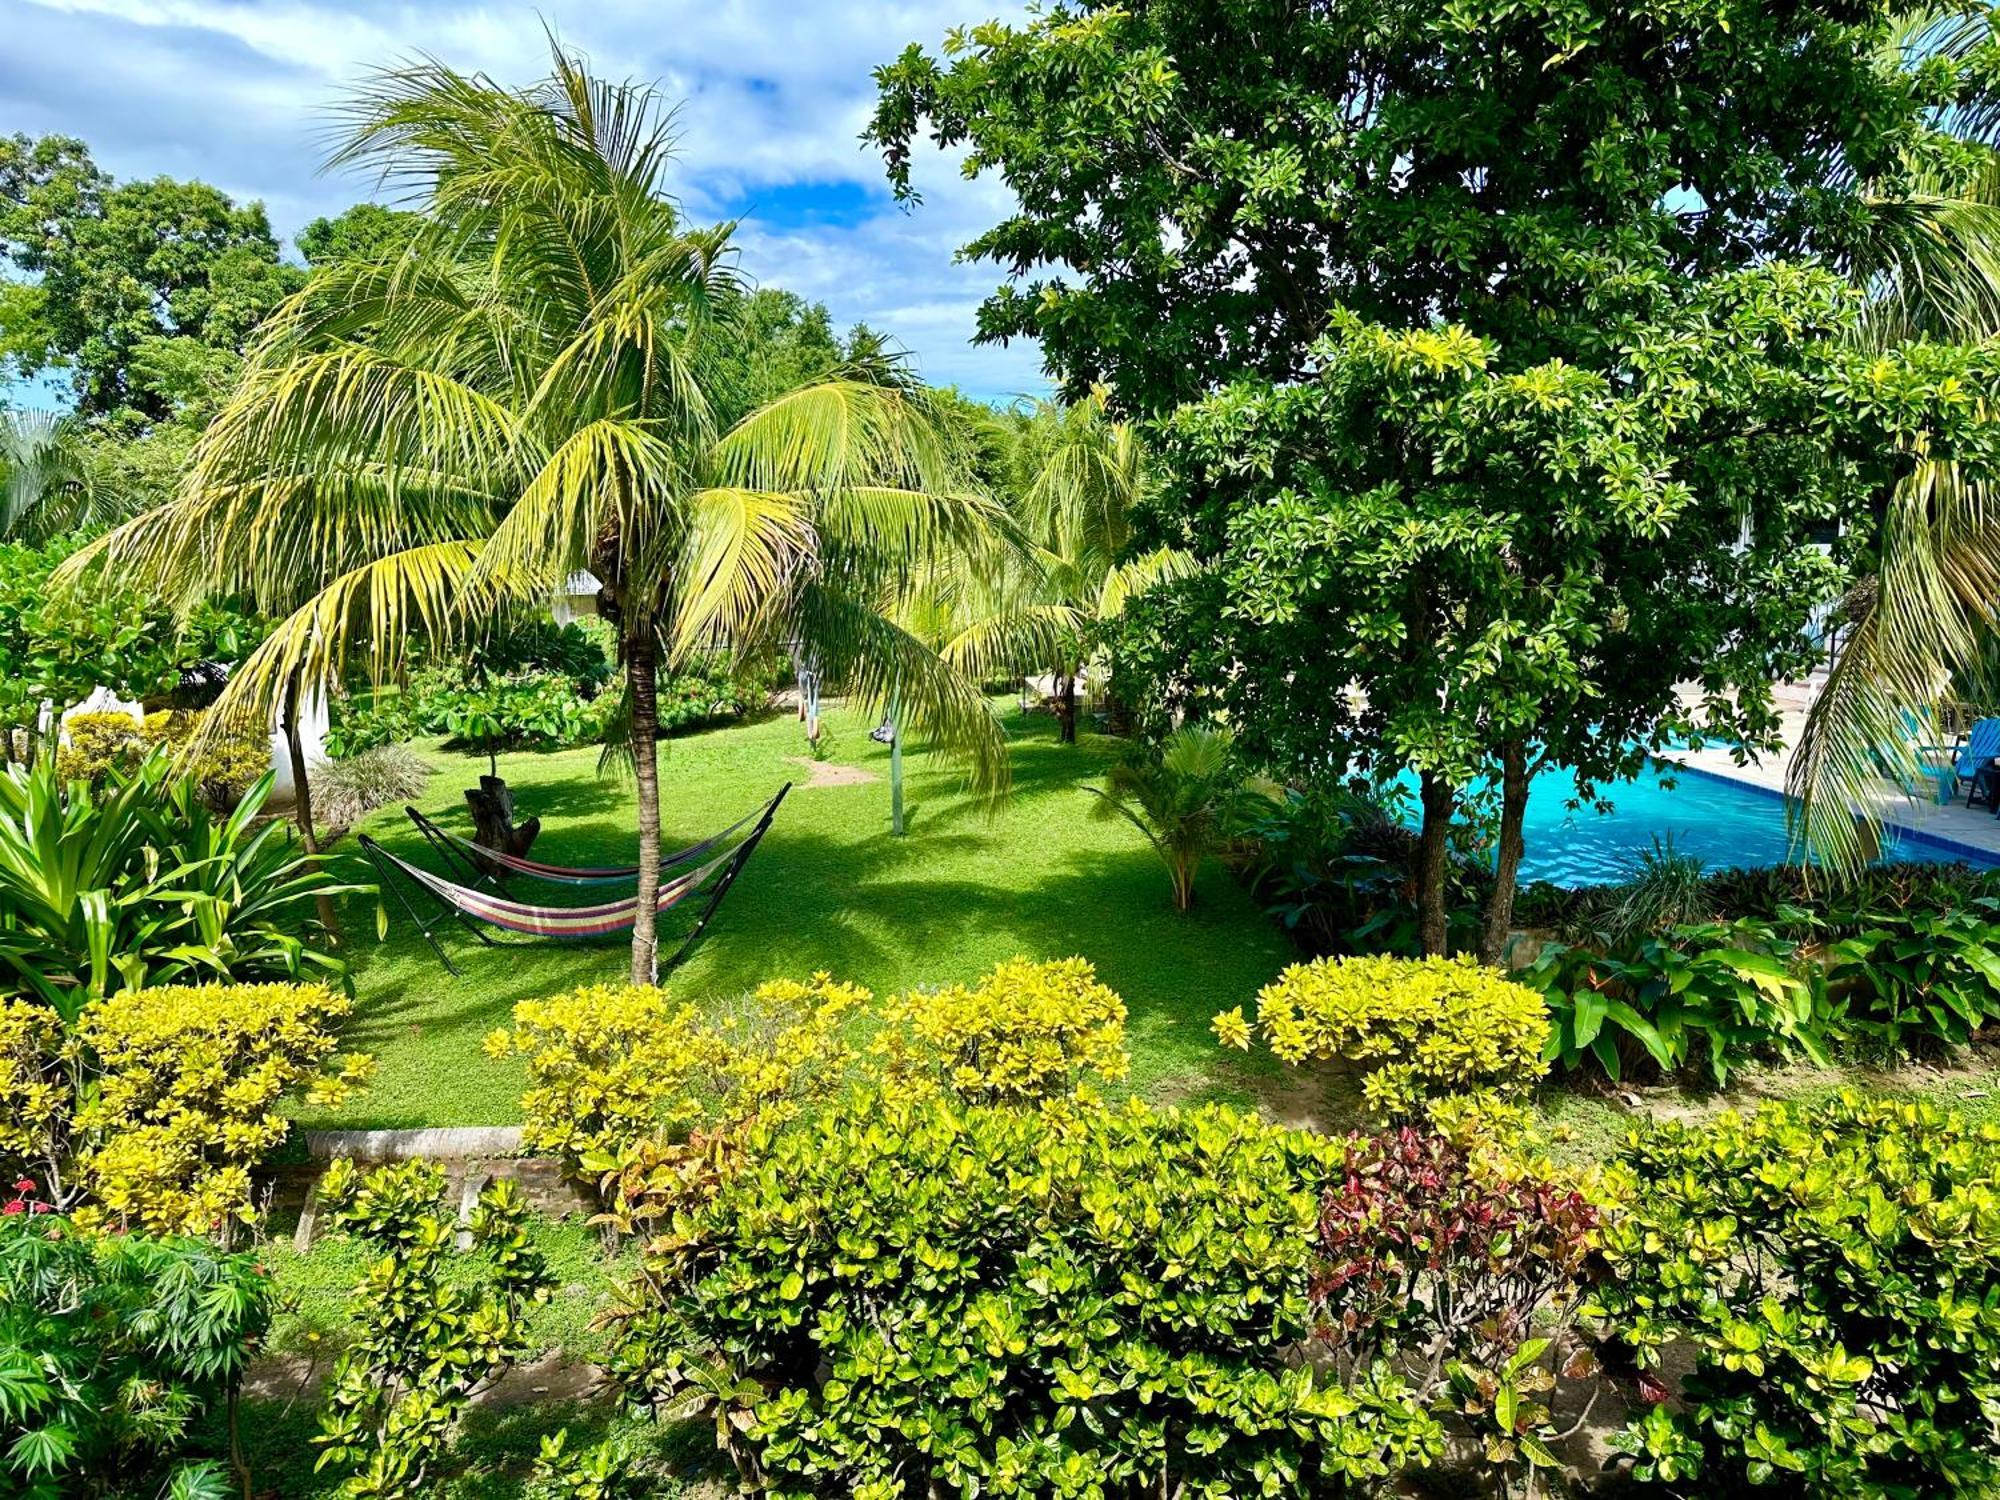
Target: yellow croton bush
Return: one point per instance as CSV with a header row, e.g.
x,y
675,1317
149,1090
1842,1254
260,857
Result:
x,y
1420,1029
181,1088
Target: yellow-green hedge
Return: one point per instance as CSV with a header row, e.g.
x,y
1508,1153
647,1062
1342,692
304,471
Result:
x,y
181,1096
1025,1032
1420,1029
614,1065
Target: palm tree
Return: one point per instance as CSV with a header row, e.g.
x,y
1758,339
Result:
x,y
1182,796
1923,617
1079,476
535,387
51,480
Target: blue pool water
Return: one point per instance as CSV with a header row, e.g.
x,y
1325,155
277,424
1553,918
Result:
x,y
1724,823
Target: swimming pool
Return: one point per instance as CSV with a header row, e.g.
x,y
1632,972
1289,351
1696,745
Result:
x,y
1721,822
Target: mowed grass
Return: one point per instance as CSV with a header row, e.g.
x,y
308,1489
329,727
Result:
x,y
969,884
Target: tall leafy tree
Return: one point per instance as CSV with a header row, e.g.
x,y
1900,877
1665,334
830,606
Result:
x,y
533,389
1560,183
119,269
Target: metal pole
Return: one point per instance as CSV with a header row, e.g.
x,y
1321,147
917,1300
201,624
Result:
x,y
895,766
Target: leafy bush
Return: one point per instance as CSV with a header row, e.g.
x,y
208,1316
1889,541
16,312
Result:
x,y
98,744
346,790
427,1341
1421,1029
150,1113
110,1350
139,883
912,1296
229,761
356,727
1339,872
644,1094
1833,1272
1023,1033
1466,1268
1718,995
1917,975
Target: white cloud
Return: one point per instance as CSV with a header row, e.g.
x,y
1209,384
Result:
x,y
776,95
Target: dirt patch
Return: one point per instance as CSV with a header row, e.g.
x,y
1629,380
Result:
x,y
826,773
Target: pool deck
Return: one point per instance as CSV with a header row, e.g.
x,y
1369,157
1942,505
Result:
x,y
1972,833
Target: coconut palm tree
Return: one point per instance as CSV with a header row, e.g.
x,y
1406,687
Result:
x,y
51,480
1079,476
537,386
1922,617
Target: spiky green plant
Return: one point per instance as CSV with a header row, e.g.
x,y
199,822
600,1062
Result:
x,y
1183,796
539,385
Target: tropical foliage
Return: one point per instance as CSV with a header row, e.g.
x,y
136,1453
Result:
x,y
112,1349
538,386
140,883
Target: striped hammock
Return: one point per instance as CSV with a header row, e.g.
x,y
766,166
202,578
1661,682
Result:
x,y
462,853
576,923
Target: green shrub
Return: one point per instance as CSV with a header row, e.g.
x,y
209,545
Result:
x,y
1833,1272
910,1296
426,1341
1421,1029
111,1349
150,1113
1717,995
1024,1033
344,791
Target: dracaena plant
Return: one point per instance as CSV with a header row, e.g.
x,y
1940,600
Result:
x,y
140,883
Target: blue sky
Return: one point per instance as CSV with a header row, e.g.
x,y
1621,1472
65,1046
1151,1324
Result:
x,y
774,95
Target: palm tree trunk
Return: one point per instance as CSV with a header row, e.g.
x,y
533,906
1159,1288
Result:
x,y
1066,707
302,806
642,664
1433,924
1513,809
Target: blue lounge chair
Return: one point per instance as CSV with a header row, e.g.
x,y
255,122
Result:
x,y
1936,762
1981,745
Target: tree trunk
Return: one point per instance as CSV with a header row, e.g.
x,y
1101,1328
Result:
x,y
1066,707
1513,809
642,665
1432,848
302,806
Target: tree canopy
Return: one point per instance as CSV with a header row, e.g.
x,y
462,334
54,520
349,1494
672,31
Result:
x,y
144,291
1477,334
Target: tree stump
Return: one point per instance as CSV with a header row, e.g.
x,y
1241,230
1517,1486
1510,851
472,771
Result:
x,y
493,822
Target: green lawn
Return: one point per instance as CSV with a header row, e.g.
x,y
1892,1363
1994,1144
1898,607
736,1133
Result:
x,y
968,885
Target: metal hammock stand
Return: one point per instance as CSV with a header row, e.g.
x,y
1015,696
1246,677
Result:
x,y
479,909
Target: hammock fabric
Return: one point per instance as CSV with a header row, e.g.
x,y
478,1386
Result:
x,y
577,923
477,860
